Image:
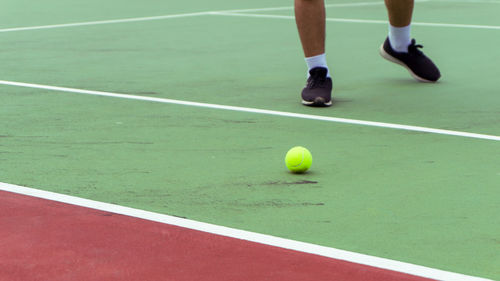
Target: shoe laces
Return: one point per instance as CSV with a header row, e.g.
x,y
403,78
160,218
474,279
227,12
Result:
x,y
317,80
414,48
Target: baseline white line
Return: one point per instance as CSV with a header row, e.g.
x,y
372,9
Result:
x,y
138,19
256,110
329,252
293,18
338,5
103,22
335,5
470,1
359,20
228,12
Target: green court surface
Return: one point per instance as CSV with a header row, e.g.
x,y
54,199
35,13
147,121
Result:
x,y
423,198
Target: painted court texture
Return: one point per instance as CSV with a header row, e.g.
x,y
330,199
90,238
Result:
x,y
45,240
186,109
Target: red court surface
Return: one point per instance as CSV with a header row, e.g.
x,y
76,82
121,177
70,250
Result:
x,y
48,240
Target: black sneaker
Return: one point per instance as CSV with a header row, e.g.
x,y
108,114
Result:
x,y
419,65
318,91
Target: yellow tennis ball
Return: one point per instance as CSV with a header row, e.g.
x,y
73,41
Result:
x,y
298,159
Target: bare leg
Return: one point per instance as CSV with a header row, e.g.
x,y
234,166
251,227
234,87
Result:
x,y
310,19
400,12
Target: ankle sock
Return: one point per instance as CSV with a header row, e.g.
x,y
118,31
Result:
x,y
317,61
399,37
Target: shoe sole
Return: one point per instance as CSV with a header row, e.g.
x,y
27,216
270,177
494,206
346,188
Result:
x,y
390,58
318,102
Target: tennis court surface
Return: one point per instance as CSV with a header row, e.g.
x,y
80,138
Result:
x,y
145,140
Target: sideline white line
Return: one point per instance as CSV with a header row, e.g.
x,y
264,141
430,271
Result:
x,y
103,22
473,26
256,110
329,252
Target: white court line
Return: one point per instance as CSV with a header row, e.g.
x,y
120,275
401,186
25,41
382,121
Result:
x,y
470,1
293,18
103,22
163,17
269,240
257,111
335,5
235,13
359,20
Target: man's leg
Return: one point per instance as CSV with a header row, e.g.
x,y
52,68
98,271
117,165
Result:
x,y
310,19
400,12
400,48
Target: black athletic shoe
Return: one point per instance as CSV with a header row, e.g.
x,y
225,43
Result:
x,y
419,65
318,91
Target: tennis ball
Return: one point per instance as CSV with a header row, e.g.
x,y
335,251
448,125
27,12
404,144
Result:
x,y
298,159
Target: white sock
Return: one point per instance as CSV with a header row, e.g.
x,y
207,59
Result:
x,y
399,37
317,61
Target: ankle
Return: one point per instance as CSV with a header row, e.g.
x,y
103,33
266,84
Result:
x,y
399,38
317,61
